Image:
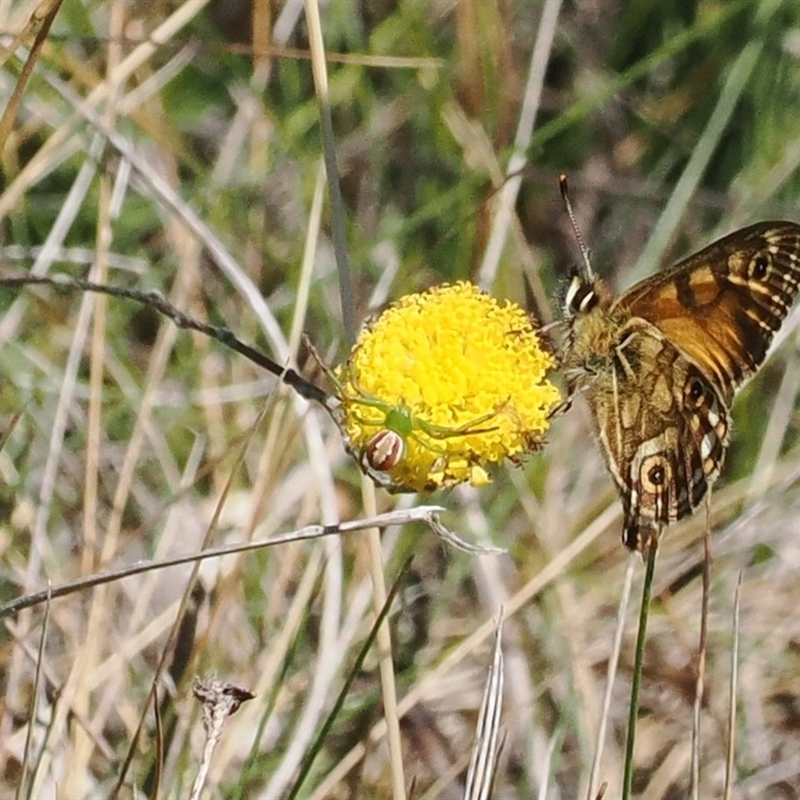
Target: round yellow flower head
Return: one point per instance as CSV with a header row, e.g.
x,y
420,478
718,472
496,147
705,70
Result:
x,y
443,385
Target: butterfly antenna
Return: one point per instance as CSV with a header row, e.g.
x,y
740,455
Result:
x,y
562,184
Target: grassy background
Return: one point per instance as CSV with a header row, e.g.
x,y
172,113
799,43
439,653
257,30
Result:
x,y
675,122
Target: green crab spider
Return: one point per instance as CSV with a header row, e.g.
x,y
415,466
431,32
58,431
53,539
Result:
x,y
387,447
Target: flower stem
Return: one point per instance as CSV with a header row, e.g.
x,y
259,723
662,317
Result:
x,y
638,664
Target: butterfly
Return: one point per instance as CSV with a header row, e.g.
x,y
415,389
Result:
x,y
660,364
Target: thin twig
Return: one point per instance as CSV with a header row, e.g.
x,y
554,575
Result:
x,y
159,303
425,514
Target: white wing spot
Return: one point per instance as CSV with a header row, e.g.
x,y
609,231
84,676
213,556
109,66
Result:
x,y
706,447
778,301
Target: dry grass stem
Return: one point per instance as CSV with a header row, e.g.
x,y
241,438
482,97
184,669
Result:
x,y
730,753
611,674
220,701
702,650
486,749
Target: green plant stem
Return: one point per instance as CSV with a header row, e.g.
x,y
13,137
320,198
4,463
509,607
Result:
x,y
354,672
638,664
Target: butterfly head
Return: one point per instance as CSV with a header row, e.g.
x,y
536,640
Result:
x,y
582,296
592,331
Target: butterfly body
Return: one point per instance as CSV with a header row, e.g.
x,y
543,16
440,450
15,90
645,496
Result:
x,y
660,364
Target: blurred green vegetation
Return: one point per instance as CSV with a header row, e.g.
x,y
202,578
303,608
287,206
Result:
x,y
634,94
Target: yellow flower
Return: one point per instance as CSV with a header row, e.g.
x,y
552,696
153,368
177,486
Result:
x,y
443,385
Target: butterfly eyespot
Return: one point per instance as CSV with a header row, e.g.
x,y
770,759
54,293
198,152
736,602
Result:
x,y
760,267
657,475
696,390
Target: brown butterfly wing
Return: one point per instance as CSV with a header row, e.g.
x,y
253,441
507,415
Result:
x,y
663,427
722,306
